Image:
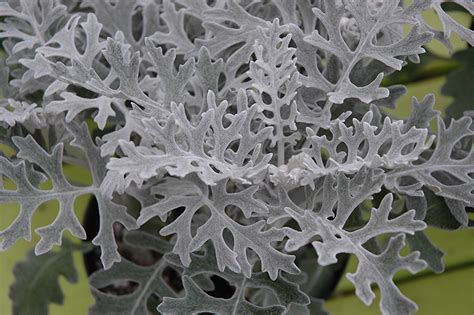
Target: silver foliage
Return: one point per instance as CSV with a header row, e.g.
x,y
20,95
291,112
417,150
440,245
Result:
x,y
285,292
150,279
30,196
230,120
372,268
252,236
202,149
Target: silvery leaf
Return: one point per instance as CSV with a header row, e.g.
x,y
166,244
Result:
x,y
329,224
275,81
29,23
15,112
284,293
29,196
73,105
175,35
450,25
444,174
173,83
117,16
202,149
150,279
216,199
369,24
391,147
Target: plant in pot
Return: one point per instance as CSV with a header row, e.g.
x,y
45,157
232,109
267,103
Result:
x,y
239,151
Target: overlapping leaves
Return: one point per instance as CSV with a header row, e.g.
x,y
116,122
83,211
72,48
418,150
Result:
x,y
169,83
30,196
196,197
283,292
29,23
343,196
275,81
204,149
368,24
447,171
150,279
365,145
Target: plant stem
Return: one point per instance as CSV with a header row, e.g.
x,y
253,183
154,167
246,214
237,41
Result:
x,y
325,279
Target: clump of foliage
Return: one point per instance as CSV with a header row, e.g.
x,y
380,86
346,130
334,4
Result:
x,y
244,134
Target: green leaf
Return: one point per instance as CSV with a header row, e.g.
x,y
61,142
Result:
x,y
455,85
37,279
428,251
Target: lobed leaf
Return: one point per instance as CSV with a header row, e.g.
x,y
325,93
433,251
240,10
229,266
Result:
x,y
37,280
442,172
369,23
329,224
275,81
150,280
196,300
392,146
204,149
30,196
29,22
216,200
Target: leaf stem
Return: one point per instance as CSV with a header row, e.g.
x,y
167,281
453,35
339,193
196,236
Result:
x,y
325,279
239,296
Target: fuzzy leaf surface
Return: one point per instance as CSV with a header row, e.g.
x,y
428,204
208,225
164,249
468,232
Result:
x,y
216,199
30,196
283,292
329,222
202,149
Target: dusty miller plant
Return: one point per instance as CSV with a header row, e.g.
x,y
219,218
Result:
x,y
248,132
